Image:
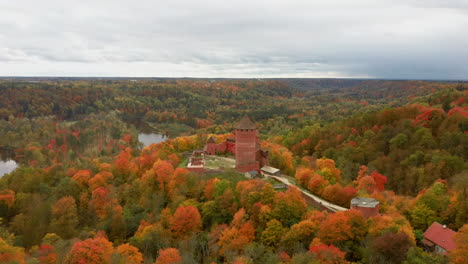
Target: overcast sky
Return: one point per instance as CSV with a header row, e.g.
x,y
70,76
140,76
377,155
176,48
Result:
x,y
408,39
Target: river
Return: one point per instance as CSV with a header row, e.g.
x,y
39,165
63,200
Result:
x,y
150,138
7,163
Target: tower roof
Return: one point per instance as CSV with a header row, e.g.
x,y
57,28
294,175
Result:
x,y
211,140
246,123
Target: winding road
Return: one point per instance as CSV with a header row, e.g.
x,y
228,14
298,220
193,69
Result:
x,y
284,179
330,206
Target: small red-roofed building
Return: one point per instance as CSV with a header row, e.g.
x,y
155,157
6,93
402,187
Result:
x,y
438,238
196,162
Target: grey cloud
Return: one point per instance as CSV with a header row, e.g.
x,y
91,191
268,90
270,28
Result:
x,y
363,38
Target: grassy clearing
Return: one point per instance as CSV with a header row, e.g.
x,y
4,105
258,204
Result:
x,y
183,163
216,163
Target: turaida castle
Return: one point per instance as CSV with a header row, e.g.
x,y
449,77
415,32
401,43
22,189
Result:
x,y
245,146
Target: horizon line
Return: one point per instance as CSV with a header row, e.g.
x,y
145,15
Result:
x,y
245,78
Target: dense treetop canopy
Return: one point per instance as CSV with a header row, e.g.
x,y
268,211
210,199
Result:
x,y
86,191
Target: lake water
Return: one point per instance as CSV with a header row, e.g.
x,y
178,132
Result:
x,y
150,138
7,163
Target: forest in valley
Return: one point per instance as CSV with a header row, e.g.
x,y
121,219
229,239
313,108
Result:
x,y
87,191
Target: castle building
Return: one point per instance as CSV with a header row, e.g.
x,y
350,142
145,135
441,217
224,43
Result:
x,y
227,146
245,146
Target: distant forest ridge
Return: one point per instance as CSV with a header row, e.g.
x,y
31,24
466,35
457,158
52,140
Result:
x,y
87,190
323,81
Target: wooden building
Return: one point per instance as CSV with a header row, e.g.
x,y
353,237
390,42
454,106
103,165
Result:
x,y
270,170
438,238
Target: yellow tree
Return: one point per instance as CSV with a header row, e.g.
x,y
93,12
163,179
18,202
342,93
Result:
x,y
460,254
169,256
64,217
271,236
129,254
10,254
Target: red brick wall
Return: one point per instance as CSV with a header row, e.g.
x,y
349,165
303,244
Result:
x,y
246,148
196,170
221,147
367,211
213,148
231,147
248,167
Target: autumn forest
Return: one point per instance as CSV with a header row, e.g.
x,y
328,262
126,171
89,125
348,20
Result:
x,y
86,190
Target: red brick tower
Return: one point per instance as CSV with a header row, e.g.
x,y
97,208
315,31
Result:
x,y
247,145
211,146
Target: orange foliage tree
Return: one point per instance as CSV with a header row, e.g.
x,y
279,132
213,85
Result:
x,y
64,217
164,171
303,175
249,192
343,226
123,163
129,254
460,254
7,197
328,170
368,184
280,157
11,254
317,184
82,177
185,222
240,233
327,254
100,180
46,255
235,239
92,251
177,180
380,180
381,224
101,202
169,256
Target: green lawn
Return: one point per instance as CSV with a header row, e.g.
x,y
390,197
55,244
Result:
x,y
216,163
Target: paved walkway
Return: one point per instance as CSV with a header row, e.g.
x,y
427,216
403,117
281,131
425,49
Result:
x,y
284,179
328,205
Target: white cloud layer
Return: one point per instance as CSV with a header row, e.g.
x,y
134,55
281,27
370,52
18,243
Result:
x,y
412,39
